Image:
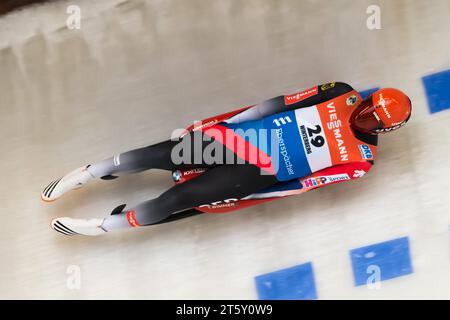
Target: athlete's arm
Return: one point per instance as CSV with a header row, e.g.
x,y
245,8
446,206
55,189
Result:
x,y
335,174
302,99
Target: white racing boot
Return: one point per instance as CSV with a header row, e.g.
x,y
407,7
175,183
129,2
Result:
x,y
73,180
70,227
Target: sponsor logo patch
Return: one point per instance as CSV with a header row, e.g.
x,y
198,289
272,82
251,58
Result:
x,y
335,124
201,125
299,96
327,86
176,175
322,180
132,219
390,129
366,153
221,204
382,103
352,100
358,173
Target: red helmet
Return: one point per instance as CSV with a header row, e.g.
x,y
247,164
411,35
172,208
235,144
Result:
x,y
383,111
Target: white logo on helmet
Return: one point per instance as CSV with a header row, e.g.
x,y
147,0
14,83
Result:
x,y
391,128
382,102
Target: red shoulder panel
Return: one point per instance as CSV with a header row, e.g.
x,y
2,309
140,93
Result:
x,y
208,122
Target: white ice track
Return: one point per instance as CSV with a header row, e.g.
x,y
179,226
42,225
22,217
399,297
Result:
x,y
139,69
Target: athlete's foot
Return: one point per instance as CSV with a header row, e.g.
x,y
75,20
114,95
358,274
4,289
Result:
x,y
73,180
70,227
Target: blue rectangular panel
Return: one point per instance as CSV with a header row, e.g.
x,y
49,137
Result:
x,y
296,283
388,259
364,94
437,88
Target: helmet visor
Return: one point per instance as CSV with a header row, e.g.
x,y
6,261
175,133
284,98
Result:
x,y
366,117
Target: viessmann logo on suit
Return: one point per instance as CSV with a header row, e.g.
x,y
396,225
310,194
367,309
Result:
x,y
299,96
334,125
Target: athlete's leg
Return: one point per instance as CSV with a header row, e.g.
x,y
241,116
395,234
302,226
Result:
x,y
188,155
220,183
216,184
156,156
